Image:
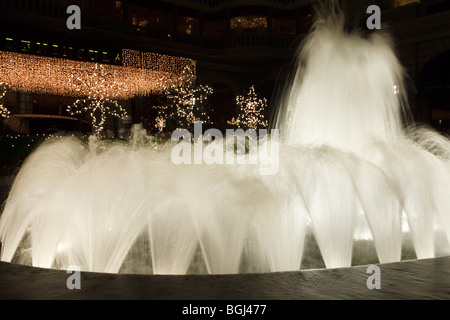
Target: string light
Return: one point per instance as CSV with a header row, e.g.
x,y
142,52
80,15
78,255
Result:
x,y
54,76
169,68
251,108
95,84
160,122
248,22
186,101
4,112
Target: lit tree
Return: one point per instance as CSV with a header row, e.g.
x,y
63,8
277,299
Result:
x,y
160,121
251,111
4,112
100,91
186,102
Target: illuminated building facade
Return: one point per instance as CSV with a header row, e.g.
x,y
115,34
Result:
x,y
235,45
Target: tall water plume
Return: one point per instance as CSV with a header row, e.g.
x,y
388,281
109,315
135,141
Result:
x,y
351,170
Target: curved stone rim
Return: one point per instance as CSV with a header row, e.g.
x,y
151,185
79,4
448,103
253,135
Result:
x,y
414,279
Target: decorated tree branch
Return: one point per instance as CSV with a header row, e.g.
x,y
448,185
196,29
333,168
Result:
x,y
185,102
99,94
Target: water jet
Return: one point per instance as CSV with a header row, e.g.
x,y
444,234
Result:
x,y
353,177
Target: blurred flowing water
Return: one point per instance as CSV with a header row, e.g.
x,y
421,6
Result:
x,y
358,182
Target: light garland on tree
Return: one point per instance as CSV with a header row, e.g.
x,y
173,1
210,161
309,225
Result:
x,y
160,122
98,109
100,95
251,108
4,112
186,100
98,86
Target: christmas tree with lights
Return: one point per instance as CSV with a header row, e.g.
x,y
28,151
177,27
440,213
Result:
x,y
185,103
251,111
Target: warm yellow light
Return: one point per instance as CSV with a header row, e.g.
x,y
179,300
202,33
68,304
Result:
x,y
98,87
4,112
251,108
186,101
248,22
160,122
169,66
100,92
55,76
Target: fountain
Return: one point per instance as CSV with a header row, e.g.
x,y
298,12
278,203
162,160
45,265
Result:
x,y
358,182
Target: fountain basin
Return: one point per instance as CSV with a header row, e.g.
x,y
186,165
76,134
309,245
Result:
x,y
349,162
413,279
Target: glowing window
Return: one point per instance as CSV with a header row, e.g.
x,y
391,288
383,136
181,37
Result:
x,y
248,24
188,25
144,18
139,22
